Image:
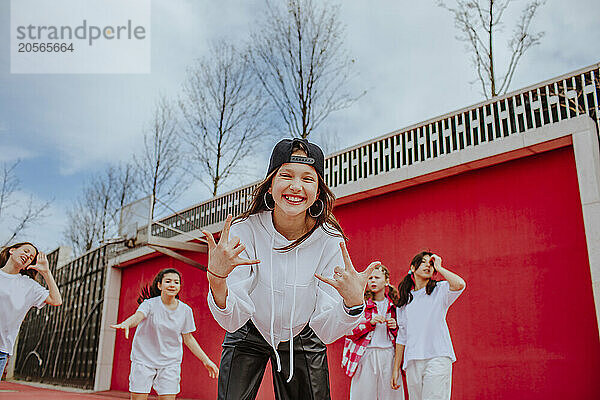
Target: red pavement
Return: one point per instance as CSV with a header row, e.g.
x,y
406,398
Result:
x,y
11,390
16,391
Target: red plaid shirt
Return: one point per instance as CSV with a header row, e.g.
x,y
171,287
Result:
x,y
356,344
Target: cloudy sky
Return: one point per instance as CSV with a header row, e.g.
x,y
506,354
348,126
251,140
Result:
x,y
66,127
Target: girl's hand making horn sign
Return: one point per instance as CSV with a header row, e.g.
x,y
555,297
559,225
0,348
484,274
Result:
x,y
349,283
223,257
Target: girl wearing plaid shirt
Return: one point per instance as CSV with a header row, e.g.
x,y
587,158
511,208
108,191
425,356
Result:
x,y
368,354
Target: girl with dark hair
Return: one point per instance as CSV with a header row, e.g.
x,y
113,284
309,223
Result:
x,y
423,346
303,293
19,291
156,353
368,355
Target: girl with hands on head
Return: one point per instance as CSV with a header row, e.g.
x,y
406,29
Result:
x,y
156,353
281,281
423,345
368,355
20,264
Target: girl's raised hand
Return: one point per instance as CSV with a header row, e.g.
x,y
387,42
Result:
x,y
224,256
41,265
349,283
213,370
437,261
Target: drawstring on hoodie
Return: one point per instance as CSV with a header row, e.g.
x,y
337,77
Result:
x,y
292,321
273,308
272,333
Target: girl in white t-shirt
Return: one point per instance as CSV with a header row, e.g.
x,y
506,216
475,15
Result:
x,y
156,353
19,291
368,355
423,345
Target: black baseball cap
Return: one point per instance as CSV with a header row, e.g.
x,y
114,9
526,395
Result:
x,y
282,153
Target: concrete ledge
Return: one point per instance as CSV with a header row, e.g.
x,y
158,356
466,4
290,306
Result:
x,y
546,138
587,160
107,335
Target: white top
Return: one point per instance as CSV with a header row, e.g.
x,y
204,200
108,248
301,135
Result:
x,y
422,324
281,294
380,337
18,293
157,342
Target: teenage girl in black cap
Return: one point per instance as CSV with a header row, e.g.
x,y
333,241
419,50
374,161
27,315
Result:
x,y
282,283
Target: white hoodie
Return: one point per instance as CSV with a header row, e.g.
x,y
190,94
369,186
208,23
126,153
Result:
x,y
281,294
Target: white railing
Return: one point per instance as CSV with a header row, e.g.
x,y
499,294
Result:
x,y
549,102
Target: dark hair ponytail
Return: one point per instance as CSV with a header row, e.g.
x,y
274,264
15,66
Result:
x,y
393,294
5,255
152,290
407,285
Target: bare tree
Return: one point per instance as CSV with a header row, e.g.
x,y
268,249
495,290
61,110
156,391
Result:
x,y
91,219
159,163
126,188
330,140
299,57
102,198
478,22
94,216
29,211
83,225
223,115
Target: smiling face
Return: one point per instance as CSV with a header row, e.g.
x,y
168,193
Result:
x,y
424,270
23,256
170,284
294,187
377,281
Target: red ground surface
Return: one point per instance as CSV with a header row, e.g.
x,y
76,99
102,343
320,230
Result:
x,y
16,391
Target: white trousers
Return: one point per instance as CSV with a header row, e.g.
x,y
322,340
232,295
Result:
x,y
373,376
429,379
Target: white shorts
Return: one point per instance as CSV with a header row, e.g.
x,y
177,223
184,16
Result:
x,y
166,380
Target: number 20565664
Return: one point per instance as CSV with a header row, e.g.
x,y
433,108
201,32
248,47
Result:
x,y
45,47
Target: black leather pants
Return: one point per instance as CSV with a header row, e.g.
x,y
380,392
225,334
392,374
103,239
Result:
x,y
244,358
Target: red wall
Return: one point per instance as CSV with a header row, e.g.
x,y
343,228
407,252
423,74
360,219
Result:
x,y
195,382
525,328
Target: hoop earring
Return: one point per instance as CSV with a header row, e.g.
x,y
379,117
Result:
x,y
267,204
316,215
